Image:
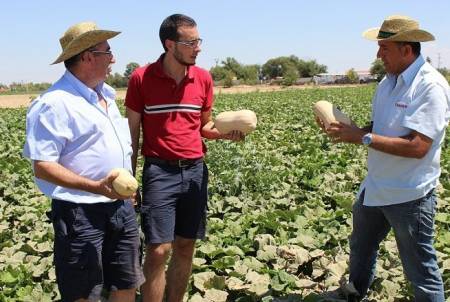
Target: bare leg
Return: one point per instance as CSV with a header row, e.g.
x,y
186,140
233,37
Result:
x,y
179,268
154,272
124,295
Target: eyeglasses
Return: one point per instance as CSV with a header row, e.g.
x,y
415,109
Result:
x,y
192,43
103,52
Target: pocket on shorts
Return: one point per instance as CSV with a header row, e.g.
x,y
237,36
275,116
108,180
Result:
x,y
65,217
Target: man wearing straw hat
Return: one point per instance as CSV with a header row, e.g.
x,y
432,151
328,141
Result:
x,y
410,112
75,136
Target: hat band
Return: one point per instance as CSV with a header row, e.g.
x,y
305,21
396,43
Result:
x,y
385,34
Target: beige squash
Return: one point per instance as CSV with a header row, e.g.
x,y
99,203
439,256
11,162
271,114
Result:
x,y
124,184
328,113
242,120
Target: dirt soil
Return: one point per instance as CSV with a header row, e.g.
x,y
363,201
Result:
x,y
23,100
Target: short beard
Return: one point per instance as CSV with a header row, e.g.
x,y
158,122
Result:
x,y
180,60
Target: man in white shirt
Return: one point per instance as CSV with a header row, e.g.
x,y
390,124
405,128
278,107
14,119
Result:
x,y
75,135
410,112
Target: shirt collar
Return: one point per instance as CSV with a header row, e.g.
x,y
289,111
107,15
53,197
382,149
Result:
x,y
410,73
159,70
90,94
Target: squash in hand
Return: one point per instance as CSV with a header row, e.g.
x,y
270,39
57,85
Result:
x,y
124,184
328,113
243,121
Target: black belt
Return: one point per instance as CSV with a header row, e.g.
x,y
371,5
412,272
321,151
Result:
x,y
181,163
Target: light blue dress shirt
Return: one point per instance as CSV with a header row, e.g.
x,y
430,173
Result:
x,y
418,99
67,125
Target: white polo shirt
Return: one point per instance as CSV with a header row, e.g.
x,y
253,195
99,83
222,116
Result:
x,y
418,99
67,125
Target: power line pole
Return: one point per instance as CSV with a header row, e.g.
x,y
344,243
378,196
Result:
x,y
439,60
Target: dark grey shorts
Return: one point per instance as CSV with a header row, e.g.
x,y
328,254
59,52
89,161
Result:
x,y
96,247
174,201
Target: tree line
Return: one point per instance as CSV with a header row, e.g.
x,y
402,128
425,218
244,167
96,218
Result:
x,y
284,70
287,69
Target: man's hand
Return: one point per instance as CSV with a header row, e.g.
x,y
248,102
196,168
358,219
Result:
x,y
136,199
105,187
234,135
320,123
342,133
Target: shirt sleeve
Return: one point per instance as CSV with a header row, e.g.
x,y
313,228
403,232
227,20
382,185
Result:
x,y
46,133
426,113
133,99
209,92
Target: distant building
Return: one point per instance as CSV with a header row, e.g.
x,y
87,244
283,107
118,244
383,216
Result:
x,y
327,78
303,81
364,76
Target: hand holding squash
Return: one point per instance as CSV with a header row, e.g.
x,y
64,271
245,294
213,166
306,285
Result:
x,y
124,184
243,121
328,113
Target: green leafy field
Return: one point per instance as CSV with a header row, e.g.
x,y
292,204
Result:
x,y
279,210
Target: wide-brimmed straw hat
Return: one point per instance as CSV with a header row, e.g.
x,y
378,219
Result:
x,y
80,37
400,29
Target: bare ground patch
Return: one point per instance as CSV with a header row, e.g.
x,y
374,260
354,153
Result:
x,y
23,100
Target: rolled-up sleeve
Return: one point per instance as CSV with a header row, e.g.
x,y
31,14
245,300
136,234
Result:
x,y
46,133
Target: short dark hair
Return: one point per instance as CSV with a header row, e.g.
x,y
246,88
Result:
x,y
415,46
170,25
69,63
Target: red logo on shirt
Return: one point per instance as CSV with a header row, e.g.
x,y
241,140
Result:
x,y
401,105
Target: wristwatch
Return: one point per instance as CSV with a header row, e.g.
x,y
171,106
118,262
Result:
x,y
367,139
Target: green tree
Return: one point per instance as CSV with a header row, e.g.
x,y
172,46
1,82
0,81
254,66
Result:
x,y
116,80
445,72
307,69
250,74
277,67
280,66
228,80
377,69
231,68
218,73
231,64
352,76
129,69
290,76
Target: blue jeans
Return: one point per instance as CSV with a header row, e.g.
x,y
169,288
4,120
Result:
x,y
412,223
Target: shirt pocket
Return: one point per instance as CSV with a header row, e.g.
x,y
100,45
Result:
x,y
394,124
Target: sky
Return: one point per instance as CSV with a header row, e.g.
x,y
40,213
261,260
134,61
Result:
x,y
251,31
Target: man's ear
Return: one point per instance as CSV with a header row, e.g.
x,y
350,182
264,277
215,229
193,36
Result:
x,y
408,51
169,44
86,56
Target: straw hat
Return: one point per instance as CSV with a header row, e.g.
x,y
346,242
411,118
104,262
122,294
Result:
x,y
400,29
80,37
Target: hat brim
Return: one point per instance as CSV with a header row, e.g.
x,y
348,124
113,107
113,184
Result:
x,y
415,35
84,42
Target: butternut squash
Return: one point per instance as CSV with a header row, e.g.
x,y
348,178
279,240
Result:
x,y
328,113
124,184
243,120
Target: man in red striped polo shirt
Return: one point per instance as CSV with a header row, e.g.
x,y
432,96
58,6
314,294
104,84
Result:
x,y
172,100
